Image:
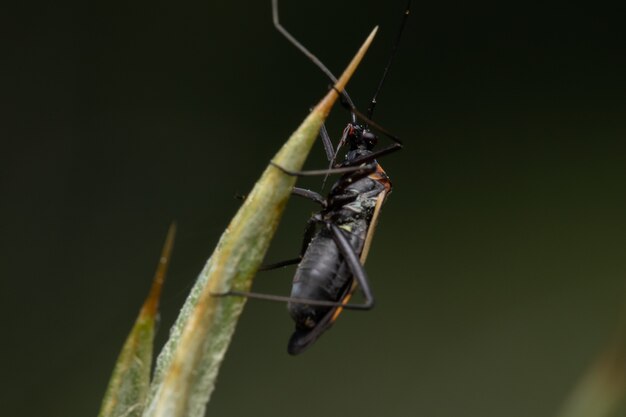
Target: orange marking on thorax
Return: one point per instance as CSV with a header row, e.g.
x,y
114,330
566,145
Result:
x,y
380,176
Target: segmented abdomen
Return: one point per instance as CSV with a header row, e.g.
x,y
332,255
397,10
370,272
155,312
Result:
x,y
323,274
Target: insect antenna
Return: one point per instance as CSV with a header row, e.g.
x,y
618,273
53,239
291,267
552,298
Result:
x,y
394,49
367,119
308,54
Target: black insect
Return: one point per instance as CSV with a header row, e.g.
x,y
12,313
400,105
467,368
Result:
x,y
338,237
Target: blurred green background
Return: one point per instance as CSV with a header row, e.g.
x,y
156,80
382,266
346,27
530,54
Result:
x,y
499,261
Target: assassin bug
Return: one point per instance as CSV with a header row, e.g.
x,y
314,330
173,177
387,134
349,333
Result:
x,y
338,237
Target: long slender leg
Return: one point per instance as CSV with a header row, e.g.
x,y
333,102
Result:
x,y
357,270
308,236
316,172
308,54
368,158
286,299
311,195
309,231
280,264
368,305
300,192
339,198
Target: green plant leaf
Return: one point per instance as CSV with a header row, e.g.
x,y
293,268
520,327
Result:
x,y
602,389
188,365
129,383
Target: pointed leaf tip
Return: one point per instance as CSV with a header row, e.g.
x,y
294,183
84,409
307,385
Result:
x,y
327,102
129,383
151,304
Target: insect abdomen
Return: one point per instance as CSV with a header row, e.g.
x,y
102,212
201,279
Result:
x,y
323,274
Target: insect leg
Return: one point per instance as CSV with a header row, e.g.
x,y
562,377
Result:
x,y
285,299
353,261
307,53
357,268
311,195
348,180
341,170
280,264
309,231
300,192
368,158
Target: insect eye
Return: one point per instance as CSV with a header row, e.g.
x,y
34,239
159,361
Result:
x,y
370,138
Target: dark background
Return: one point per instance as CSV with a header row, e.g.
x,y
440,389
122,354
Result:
x,y
499,261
